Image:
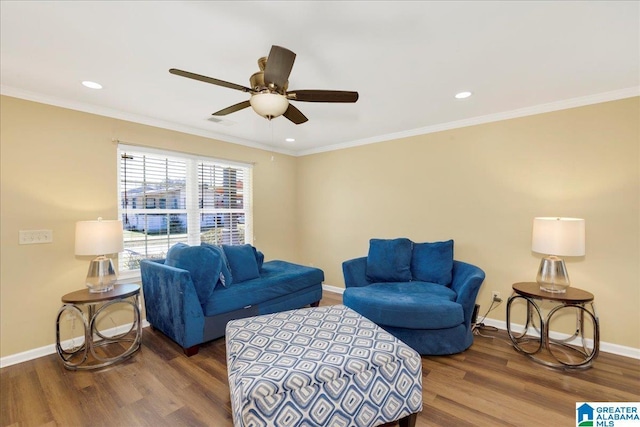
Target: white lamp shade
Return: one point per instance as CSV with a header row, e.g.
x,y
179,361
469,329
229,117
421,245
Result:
x,y
558,236
99,237
269,104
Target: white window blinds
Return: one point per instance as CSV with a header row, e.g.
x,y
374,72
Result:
x,y
167,197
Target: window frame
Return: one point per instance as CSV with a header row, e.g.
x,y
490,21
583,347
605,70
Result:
x,y
192,209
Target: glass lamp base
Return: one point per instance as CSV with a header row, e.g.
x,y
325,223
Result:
x,y
100,289
553,288
552,275
101,276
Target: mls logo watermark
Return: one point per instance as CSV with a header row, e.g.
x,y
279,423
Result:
x,y
607,414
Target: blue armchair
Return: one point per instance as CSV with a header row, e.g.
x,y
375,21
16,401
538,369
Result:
x,y
432,318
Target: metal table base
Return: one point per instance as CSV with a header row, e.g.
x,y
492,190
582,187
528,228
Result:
x,y
84,356
579,301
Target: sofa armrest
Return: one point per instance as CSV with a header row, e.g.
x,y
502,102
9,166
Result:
x,y
171,302
467,280
355,272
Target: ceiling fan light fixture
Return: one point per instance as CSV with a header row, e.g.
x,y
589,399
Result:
x,y
269,105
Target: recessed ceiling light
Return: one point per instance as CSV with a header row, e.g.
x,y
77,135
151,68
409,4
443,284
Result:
x,y
462,95
92,85
290,139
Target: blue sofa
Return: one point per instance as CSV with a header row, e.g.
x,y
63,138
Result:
x,y
192,294
417,292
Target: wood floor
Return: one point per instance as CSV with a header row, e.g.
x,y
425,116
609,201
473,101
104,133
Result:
x,y
487,385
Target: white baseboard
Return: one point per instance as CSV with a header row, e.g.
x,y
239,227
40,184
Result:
x,y
605,347
334,289
35,353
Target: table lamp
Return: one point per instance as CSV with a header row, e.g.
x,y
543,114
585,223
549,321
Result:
x,y
556,237
99,238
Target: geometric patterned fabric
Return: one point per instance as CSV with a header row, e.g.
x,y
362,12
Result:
x,y
322,366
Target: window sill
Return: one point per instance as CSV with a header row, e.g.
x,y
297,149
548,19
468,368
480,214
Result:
x,y
132,276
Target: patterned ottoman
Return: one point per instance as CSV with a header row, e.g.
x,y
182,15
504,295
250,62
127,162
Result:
x,y
323,366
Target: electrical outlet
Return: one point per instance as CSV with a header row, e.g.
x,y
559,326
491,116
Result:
x,y
495,296
31,237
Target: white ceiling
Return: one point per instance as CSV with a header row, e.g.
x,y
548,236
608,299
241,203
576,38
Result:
x,y
406,60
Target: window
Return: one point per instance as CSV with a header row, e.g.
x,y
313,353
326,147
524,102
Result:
x,y
168,197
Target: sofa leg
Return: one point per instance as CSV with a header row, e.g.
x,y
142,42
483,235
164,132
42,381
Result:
x,y
190,351
408,421
315,304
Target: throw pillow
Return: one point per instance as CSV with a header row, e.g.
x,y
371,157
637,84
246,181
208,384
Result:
x,y
226,279
433,262
242,261
259,258
204,265
389,260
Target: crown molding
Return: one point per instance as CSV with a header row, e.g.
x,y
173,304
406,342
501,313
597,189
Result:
x,y
136,118
25,356
506,115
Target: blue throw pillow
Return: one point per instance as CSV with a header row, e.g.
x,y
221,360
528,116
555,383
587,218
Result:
x,y
389,260
259,258
433,262
242,261
203,263
226,279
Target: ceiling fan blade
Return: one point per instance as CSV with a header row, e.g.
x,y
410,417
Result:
x,y
323,95
279,65
237,107
295,115
208,80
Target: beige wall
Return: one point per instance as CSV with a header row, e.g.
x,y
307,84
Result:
x,y
479,185
59,166
482,186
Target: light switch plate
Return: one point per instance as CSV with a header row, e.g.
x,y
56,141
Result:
x,y
32,237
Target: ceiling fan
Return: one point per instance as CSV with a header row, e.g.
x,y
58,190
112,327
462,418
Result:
x,y
269,95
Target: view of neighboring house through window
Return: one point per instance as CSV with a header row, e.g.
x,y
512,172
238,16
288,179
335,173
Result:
x,y
168,197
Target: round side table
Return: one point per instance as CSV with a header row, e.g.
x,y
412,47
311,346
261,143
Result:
x,y
573,299
88,307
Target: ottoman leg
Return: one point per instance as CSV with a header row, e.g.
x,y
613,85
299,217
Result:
x,y
408,421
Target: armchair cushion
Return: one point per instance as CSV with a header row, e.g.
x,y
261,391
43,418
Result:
x,y
411,305
204,264
432,262
389,260
242,262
